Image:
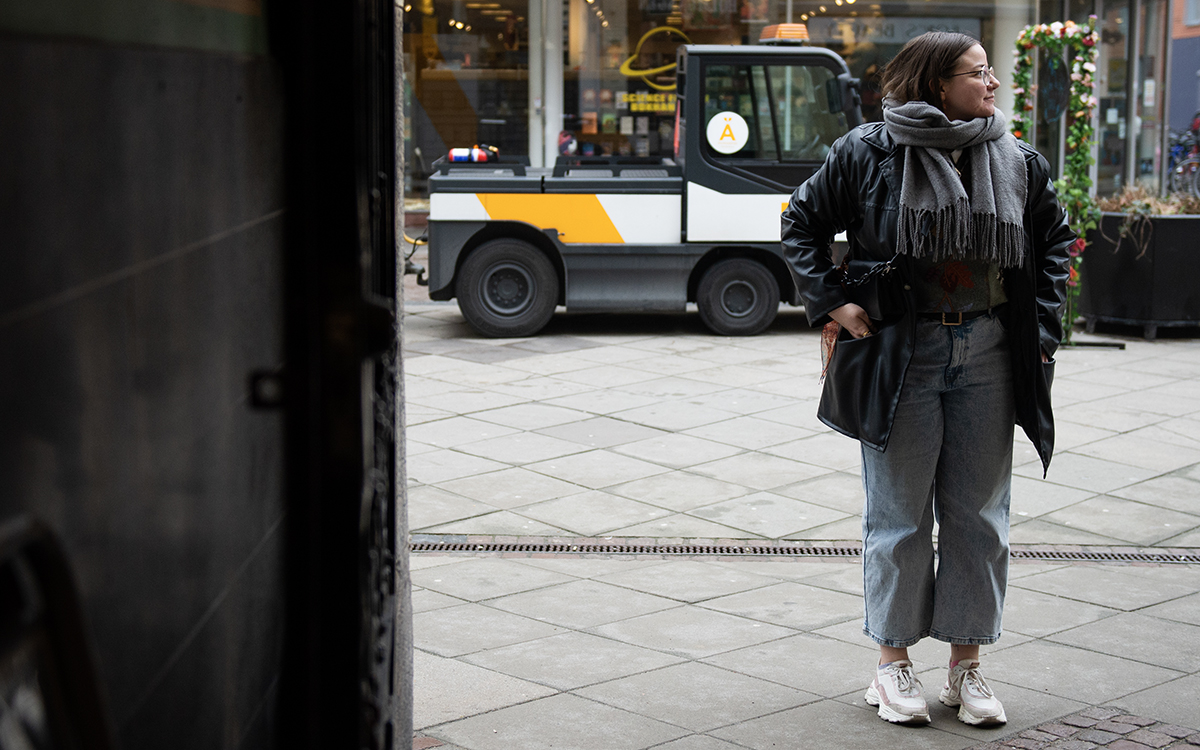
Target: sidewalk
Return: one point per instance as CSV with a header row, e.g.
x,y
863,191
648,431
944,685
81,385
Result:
x,y
611,429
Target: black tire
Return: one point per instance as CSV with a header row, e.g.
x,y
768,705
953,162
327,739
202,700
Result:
x,y
507,288
738,297
1185,177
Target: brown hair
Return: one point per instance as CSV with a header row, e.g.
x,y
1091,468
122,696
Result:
x,y
916,72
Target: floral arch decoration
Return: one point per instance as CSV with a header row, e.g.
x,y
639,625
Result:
x,y
1079,43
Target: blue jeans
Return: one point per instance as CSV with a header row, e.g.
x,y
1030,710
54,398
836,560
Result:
x,y
949,459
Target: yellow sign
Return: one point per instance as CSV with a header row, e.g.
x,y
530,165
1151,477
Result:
x,y
627,66
646,101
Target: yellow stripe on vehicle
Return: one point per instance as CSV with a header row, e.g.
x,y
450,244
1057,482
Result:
x,y
578,218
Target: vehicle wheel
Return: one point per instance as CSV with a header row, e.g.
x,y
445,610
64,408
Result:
x,y
507,288
738,297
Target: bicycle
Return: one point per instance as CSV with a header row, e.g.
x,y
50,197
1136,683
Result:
x,y
1184,160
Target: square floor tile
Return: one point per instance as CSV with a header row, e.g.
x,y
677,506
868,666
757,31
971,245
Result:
x,y
1038,531
751,433
1164,643
447,689
679,490
698,742
601,401
602,432
1138,450
424,600
840,491
1087,473
499,523
677,451
691,632
812,663
679,526
430,506
482,578
1184,609
1039,615
830,724
456,431
511,488
592,513
522,448
793,605
697,696
759,470
1173,702
768,515
1178,493
1105,586
826,450
1074,673
556,723
687,580
438,466
1127,520
597,469
846,530
454,631
466,401
582,604
571,660
674,416
1034,497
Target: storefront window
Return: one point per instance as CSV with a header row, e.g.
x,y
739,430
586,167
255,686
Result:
x,y
467,80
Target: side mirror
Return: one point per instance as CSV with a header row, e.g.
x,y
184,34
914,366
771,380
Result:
x,y
850,98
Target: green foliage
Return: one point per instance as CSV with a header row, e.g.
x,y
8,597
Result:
x,y
1074,190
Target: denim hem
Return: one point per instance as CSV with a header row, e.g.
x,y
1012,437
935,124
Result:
x,y
986,640
890,643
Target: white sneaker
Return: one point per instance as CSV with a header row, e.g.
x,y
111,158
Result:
x,y
977,704
897,692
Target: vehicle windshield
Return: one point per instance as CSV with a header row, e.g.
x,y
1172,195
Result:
x,y
793,112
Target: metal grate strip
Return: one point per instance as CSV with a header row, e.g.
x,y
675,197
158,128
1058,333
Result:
x,y
774,550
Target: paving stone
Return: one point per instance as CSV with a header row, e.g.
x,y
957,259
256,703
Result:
x,y
1038,735
1194,739
1124,744
1071,744
1173,730
1098,736
1114,725
1059,730
1151,738
1137,721
1024,743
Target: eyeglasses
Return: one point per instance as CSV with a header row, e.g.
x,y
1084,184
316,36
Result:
x,y
983,74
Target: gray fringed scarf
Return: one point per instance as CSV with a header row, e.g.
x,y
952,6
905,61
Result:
x,y
937,218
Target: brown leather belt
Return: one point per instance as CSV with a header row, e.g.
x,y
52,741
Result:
x,y
958,318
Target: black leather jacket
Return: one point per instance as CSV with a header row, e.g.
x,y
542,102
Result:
x,y
857,190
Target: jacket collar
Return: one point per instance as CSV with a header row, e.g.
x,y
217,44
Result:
x,y
875,134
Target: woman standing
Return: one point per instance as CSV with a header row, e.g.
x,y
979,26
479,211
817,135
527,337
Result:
x,y
978,244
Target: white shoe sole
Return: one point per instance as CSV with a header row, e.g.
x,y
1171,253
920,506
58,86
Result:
x,y
887,713
966,717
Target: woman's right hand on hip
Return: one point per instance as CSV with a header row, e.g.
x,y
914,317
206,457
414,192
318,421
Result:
x,y
854,319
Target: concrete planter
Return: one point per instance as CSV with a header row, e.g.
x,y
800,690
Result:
x,y
1150,278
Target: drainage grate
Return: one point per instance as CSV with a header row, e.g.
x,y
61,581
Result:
x,y
771,550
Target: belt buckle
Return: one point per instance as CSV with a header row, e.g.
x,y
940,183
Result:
x,y
947,321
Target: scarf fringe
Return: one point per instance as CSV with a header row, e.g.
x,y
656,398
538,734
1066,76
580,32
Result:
x,y
953,231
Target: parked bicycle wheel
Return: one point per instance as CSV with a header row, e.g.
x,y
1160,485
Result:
x,y
1185,177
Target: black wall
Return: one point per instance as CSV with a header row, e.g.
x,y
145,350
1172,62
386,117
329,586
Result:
x,y
141,246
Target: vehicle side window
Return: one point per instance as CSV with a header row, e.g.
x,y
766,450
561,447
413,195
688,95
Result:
x,y
741,89
808,111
